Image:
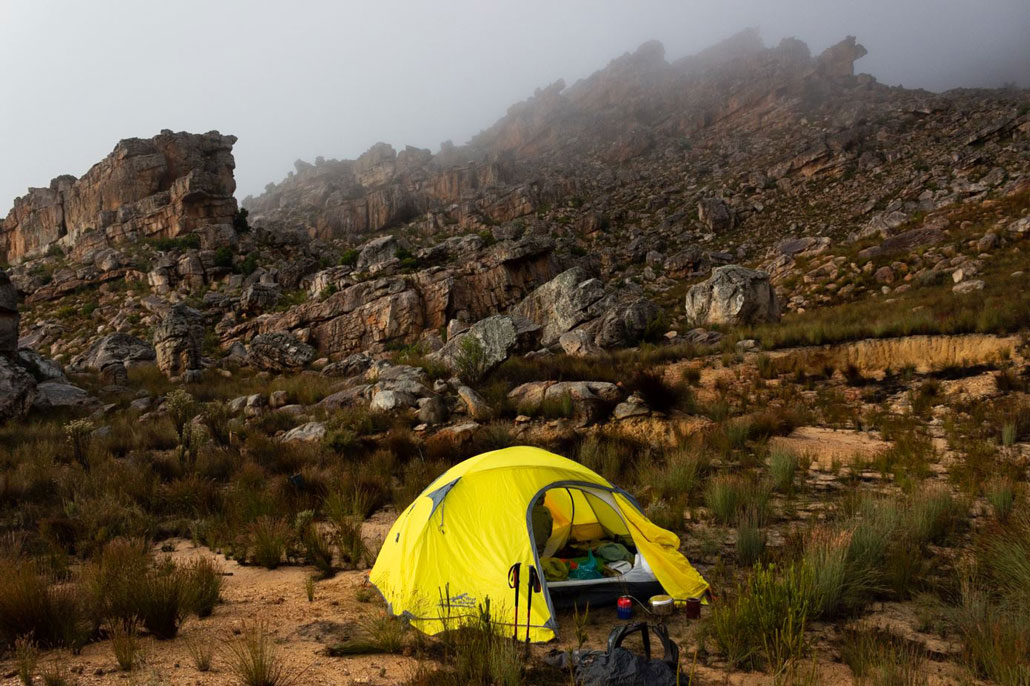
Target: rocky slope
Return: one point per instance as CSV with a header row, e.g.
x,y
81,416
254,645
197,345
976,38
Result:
x,y
585,214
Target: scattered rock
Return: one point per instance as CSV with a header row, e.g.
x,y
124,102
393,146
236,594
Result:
x,y
260,297
277,352
579,343
51,394
476,406
306,433
970,286
560,304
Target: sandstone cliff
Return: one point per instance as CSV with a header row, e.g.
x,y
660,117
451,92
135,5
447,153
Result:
x,y
165,186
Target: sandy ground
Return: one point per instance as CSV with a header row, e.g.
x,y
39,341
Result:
x,y
827,447
251,594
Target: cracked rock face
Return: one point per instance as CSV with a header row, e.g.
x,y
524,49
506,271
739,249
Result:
x,y
166,186
178,341
8,315
733,295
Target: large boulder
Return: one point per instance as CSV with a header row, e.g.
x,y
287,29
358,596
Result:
x,y
8,315
628,323
115,348
561,304
377,253
585,401
733,295
52,394
493,340
178,341
277,352
260,297
715,214
17,389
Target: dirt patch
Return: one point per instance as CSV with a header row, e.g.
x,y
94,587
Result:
x,y
667,433
827,447
301,631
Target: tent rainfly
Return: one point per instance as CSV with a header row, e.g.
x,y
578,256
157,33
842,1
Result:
x,y
450,550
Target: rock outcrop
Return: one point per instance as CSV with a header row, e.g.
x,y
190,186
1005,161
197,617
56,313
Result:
x,y
17,389
561,304
398,309
166,186
178,341
493,340
733,295
9,317
279,352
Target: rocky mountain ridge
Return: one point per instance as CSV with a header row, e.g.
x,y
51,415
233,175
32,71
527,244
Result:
x,y
163,187
582,218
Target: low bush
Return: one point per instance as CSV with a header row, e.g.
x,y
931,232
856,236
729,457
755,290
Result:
x,y
750,539
125,644
659,395
724,496
269,538
783,467
880,659
254,660
32,603
763,624
378,633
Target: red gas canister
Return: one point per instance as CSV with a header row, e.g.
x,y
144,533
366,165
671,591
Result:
x,y
624,607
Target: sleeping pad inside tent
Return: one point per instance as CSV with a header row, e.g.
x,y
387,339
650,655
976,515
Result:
x,y
451,549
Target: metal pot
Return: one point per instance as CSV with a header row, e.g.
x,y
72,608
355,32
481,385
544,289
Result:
x,y
662,605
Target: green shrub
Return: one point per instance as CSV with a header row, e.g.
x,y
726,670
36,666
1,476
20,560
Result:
x,y
481,656
377,633
203,582
1001,494
349,258
836,584
125,644
470,363
932,514
269,538
26,657
764,623
995,637
783,467
724,496
318,550
659,395
750,539
163,600
254,660
240,222
880,659
223,257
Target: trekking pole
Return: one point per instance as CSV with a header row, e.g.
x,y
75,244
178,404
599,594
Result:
x,y
513,582
532,585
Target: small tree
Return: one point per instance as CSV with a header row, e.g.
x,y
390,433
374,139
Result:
x,y
470,362
239,222
80,434
182,408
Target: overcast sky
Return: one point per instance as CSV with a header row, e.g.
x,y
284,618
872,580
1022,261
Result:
x,y
296,79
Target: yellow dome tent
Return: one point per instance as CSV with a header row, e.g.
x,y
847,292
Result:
x,y
450,550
